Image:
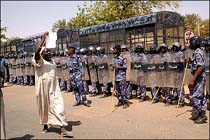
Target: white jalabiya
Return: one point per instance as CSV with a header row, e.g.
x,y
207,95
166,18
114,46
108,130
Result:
x,y
3,131
48,94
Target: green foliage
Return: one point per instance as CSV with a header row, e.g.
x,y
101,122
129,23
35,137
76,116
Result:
x,y
3,36
107,11
204,28
191,21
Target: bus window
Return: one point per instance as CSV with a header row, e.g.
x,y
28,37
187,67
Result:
x,y
13,48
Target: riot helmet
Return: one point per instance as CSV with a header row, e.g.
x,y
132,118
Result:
x,y
61,53
153,49
163,48
93,50
124,48
83,51
176,46
139,48
206,44
101,50
195,42
57,53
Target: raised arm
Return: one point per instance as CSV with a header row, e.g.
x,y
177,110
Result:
x,y
40,45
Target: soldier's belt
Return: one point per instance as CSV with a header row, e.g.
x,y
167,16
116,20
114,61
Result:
x,y
137,66
73,71
103,66
92,66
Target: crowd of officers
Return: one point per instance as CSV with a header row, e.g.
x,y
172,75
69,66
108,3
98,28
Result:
x,y
159,69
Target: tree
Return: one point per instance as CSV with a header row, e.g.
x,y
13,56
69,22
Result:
x,y
191,22
3,36
204,28
60,24
107,11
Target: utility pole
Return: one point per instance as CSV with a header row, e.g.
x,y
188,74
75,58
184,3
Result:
x,y
198,26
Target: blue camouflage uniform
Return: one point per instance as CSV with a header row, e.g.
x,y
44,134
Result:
x,y
197,97
120,77
76,74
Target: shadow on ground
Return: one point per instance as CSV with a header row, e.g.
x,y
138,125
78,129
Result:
x,y
26,136
68,128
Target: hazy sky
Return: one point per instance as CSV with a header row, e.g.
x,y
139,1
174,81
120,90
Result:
x,y
24,18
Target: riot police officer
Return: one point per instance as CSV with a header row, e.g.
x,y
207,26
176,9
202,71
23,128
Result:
x,y
120,66
96,88
125,52
163,49
197,83
150,72
179,58
84,57
61,79
103,71
138,61
76,76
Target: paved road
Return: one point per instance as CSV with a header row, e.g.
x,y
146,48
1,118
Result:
x,y
139,121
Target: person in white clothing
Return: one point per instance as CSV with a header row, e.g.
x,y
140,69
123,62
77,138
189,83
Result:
x,y
47,90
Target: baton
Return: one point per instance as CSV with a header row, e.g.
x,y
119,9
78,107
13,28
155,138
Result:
x,y
182,85
155,95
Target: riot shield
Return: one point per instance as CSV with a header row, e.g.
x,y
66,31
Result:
x,y
169,75
58,66
27,65
84,59
137,69
151,70
64,61
128,59
17,67
110,58
22,67
92,63
207,56
179,58
10,67
188,52
13,62
31,66
103,69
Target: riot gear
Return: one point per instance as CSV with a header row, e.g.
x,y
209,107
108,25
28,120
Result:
x,y
206,44
163,48
153,49
61,53
139,48
195,42
176,46
124,48
83,51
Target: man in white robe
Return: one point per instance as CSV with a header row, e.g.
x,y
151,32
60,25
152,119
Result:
x,y
48,93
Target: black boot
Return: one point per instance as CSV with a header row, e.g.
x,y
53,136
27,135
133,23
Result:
x,y
120,103
125,104
194,116
202,118
45,129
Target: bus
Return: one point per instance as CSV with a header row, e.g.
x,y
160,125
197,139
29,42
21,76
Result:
x,y
29,43
66,38
11,47
155,28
